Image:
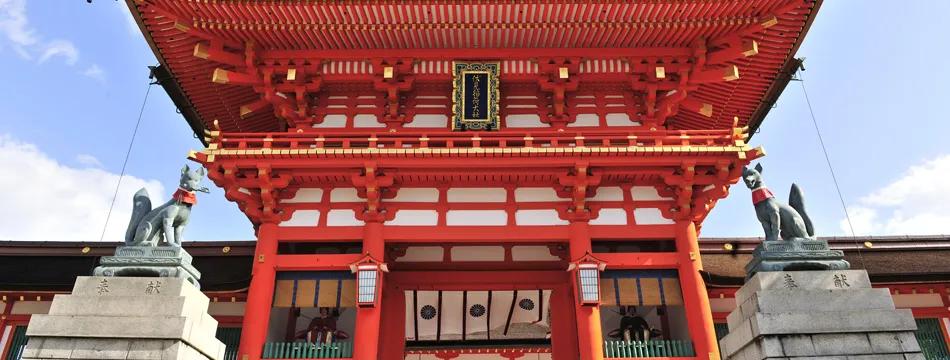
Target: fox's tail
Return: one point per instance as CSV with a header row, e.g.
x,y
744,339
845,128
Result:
x,y
797,201
141,205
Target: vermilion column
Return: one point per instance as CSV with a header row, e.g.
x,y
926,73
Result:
x,y
392,346
260,294
563,326
366,339
589,338
695,299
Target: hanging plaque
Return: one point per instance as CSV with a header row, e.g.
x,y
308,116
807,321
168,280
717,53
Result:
x,y
475,96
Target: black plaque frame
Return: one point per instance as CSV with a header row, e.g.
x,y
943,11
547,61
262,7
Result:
x,y
486,103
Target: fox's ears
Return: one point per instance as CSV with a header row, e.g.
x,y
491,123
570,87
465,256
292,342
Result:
x,y
758,167
200,171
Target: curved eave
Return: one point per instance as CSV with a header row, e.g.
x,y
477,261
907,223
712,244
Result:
x,y
784,76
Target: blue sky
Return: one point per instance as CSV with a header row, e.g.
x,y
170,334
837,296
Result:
x,y
74,77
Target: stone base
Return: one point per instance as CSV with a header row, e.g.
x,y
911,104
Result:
x,y
149,261
817,314
795,255
130,318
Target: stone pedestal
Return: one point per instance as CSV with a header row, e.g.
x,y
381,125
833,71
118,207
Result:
x,y
130,318
149,261
795,254
832,314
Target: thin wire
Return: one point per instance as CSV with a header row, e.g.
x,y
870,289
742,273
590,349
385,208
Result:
x,y
126,161
831,169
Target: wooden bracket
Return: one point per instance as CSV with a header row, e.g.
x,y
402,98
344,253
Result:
x,y
555,78
393,76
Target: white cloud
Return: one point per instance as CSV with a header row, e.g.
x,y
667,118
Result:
x,y
14,23
918,203
48,201
61,48
88,160
95,72
15,26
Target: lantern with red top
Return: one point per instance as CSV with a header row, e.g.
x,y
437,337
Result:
x,y
587,271
369,280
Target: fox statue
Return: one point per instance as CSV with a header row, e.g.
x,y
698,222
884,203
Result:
x,y
780,221
148,226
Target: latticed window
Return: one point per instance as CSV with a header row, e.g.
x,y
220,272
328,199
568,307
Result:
x,y
588,277
366,281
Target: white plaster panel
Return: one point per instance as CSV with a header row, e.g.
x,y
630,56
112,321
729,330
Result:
x,y
416,195
307,195
452,315
332,121
366,121
493,195
428,121
610,217
478,253
344,195
723,305
476,217
30,307
650,216
422,254
537,194
585,120
645,193
620,119
302,218
343,217
415,218
225,307
532,253
538,217
608,193
524,121
917,300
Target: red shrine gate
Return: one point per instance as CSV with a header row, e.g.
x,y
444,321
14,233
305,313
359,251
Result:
x,y
426,178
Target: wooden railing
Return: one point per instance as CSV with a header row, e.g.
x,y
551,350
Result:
x,y
302,350
648,349
451,140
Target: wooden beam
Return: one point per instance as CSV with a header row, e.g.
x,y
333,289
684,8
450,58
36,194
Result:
x,y
217,54
726,73
689,103
251,108
222,76
667,260
316,262
736,50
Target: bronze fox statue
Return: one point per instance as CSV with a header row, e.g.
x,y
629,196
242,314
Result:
x,y
148,227
780,221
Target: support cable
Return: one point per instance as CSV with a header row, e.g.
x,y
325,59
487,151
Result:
x,y
126,161
831,169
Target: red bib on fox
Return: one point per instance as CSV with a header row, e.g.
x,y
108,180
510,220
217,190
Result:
x,y
758,195
185,197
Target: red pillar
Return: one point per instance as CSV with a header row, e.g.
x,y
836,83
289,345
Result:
x,y
695,299
366,339
589,337
260,294
392,346
563,325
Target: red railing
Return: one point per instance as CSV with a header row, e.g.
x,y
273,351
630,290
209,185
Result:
x,y
449,140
